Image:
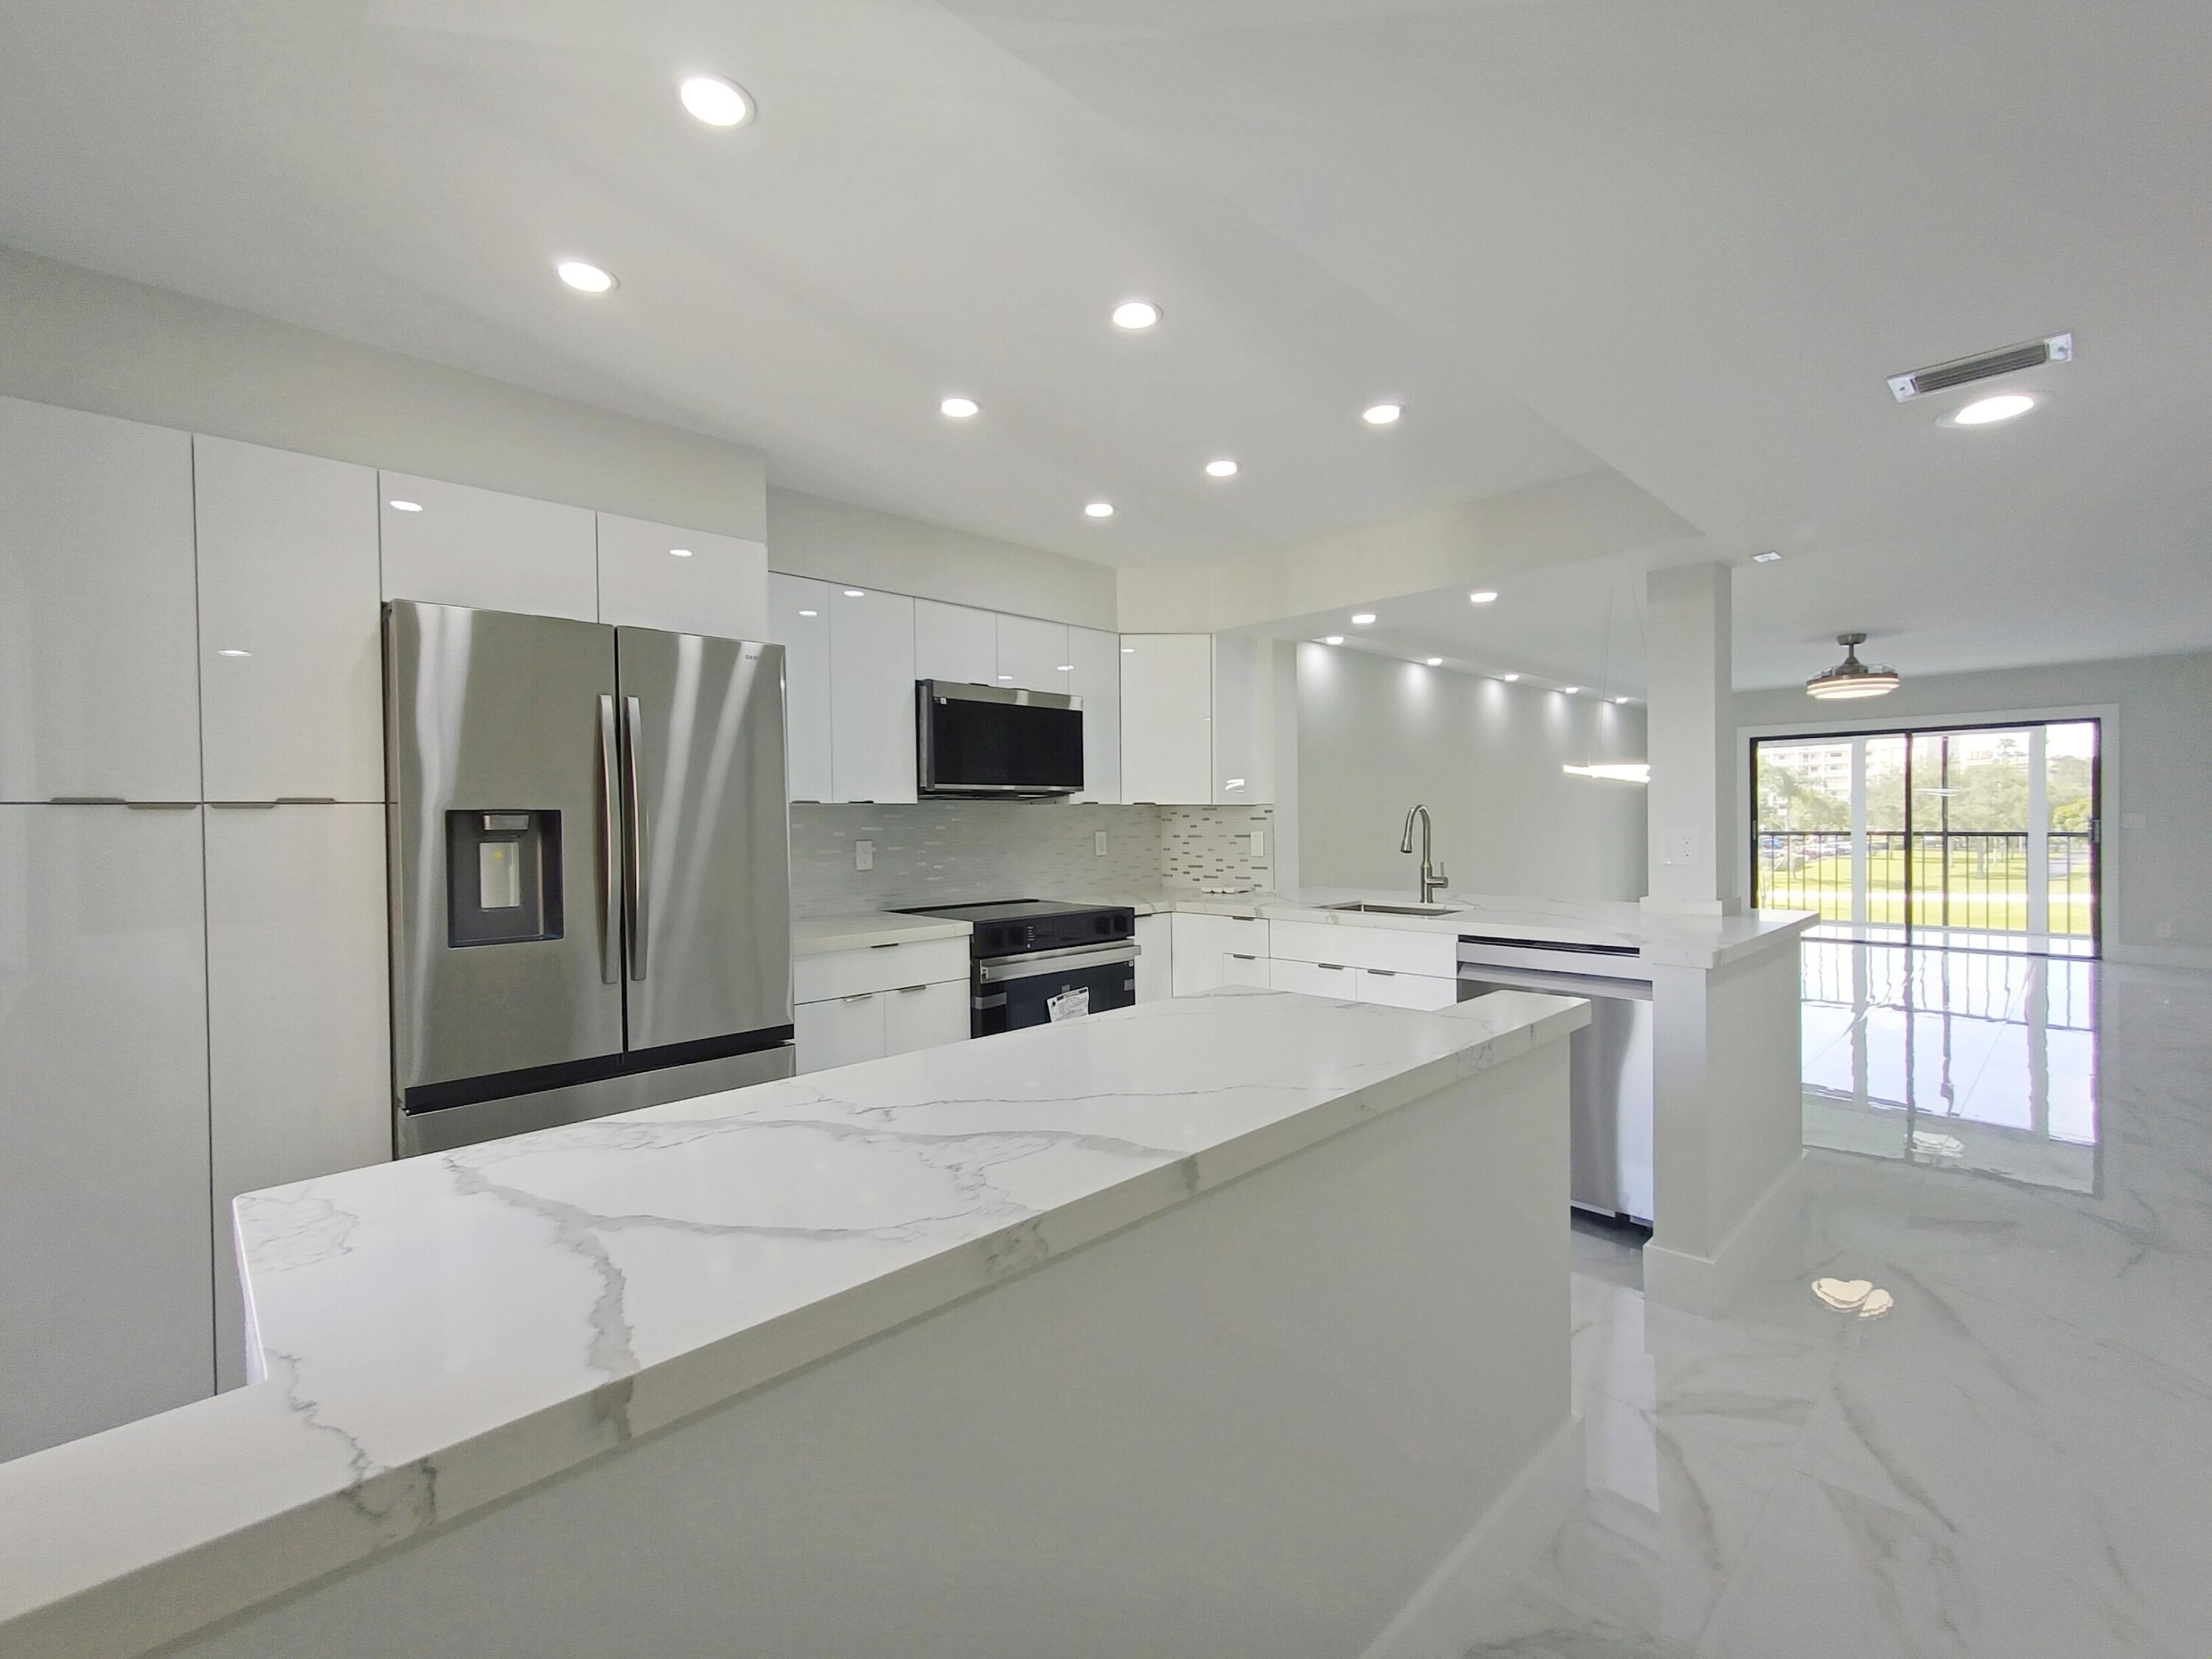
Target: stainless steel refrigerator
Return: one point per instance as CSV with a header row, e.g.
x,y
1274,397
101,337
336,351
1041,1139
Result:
x,y
590,852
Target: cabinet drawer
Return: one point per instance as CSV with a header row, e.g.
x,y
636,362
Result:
x,y
1314,980
1436,954
925,1016
842,1031
1237,968
1405,990
883,968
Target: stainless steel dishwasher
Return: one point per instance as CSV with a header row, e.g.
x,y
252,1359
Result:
x,y
1608,1060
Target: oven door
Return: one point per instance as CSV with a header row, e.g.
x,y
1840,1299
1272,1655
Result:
x,y
1013,992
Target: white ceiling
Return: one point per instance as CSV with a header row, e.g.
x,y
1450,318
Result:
x,y
1687,242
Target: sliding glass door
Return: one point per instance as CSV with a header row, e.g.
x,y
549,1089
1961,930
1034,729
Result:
x,y
1971,837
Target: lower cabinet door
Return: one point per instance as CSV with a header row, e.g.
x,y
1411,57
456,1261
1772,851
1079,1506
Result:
x,y
1405,990
299,1041
1237,968
923,1016
1155,956
842,1031
1314,979
106,1310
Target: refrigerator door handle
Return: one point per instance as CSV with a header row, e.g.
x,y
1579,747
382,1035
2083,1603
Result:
x,y
633,738
611,859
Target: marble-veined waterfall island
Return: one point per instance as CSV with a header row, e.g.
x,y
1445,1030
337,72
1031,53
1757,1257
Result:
x,y
1225,1325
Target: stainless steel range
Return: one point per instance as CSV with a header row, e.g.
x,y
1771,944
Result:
x,y
1036,962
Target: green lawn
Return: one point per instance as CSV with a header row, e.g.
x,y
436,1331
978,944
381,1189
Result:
x,y
1991,894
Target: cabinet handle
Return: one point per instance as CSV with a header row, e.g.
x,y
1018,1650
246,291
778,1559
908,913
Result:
x,y
84,800
306,800
862,997
1333,967
1383,973
1238,955
888,945
904,990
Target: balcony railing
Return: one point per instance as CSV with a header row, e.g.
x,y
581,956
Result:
x,y
1961,879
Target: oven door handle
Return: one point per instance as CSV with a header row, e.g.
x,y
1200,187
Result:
x,y
999,969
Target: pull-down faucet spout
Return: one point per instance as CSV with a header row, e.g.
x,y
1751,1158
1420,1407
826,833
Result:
x,y
1432,877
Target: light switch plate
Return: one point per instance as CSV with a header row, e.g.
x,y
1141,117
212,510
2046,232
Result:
x,y
1098,842
864,855
1259,843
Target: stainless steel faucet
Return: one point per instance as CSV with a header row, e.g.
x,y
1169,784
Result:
x,y
1433,877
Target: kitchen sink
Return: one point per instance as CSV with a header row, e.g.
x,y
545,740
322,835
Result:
x,y
1367,908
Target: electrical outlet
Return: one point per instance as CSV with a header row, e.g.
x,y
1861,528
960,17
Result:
x,y
1259,843
1098,842
1681,846
864,855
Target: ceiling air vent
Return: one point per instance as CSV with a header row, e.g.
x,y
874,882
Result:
x,y
1963,371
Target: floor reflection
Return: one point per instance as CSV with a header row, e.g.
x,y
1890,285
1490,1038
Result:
x,y
1953,1059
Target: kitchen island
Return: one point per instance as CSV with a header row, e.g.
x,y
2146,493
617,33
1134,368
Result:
x,y
1226,1325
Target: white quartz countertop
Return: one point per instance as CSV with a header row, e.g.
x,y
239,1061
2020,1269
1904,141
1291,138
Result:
x,y
817,935
440,1332
1657,936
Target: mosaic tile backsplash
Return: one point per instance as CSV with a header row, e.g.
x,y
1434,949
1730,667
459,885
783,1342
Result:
x,y
953,852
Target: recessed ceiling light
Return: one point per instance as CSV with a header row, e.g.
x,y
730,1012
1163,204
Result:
x,y
679,552
717,102
1098,509
1768,557
1333,639
1065,668
1621,700
584,276
1382,414
1006,677
809,613
1436,662
856,592
1128,650
1361,618
405,507
1483,596
1509,678
1135,314
1570,689
959,408
233,651
1224,468
1987,411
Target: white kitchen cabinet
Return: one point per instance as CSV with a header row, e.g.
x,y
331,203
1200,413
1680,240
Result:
x,y
871,695
1240,968
451,544
1314,979
299,1043
99,661
843,1031
1097,658
1204,944
955,642
290,648
1155,958
1243,754
798,621
1033,655
105,1299
1405,990
682,581
1167,702
925,1016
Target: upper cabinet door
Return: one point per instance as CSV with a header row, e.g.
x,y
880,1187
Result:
x,y
291,664
99,669
871,694
1033,655
681,581
448,543
1167,704
800,623
955,642
1097,660
1243,730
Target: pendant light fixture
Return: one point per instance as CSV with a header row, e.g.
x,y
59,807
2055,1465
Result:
x,y
1611,771
1851,677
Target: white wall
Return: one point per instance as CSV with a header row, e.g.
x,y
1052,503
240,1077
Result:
x,y
2157,781
1376,735
835,541
97,343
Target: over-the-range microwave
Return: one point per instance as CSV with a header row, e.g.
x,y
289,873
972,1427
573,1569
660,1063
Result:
x,y
996,741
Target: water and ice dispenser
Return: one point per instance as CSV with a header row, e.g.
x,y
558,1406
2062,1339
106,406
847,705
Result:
x,y
502,877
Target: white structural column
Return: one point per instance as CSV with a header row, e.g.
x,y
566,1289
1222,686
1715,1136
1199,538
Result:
x,y
1690,739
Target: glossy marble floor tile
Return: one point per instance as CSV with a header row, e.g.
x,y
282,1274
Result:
x,y
2015,1456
